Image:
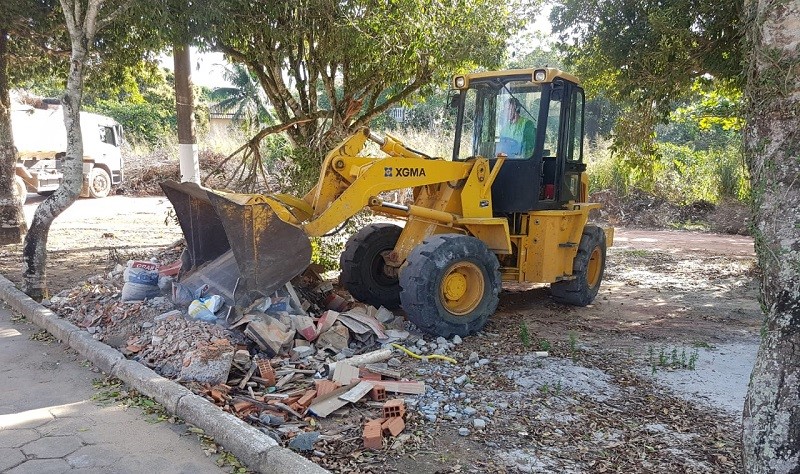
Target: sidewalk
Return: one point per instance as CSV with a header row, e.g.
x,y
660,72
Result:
x,y
49,424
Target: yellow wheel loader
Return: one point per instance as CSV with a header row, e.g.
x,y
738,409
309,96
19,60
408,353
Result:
x,y
510,204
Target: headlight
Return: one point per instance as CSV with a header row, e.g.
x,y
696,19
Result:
x,y
460,82
539,75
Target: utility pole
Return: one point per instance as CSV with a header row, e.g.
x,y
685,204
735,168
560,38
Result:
x,y
184,103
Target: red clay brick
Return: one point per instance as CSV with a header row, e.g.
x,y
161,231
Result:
x,y
325,387
365,374
378,393
266,371
394,407
372,435
393,426
290,400
307,398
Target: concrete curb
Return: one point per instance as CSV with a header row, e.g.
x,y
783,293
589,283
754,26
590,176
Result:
x,y
255,449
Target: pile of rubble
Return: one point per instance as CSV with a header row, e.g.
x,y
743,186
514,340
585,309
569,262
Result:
x,y
283,364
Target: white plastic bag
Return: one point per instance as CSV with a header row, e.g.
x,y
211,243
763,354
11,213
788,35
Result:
x,y
204,308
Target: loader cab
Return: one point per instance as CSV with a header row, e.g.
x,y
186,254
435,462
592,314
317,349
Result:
x,y
535,119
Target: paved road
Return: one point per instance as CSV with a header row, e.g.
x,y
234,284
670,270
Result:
x,y
49,424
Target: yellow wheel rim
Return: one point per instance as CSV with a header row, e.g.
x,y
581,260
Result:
x,y
462,288
593,270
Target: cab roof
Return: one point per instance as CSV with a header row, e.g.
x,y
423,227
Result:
x,y
550,75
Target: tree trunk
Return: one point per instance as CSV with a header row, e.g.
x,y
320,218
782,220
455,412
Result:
x,y
34,253
771,420
184,104
12,221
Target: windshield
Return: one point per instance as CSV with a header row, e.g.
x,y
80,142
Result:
x,y
499,118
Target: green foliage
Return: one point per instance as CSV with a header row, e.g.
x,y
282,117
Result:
x,y
524,335
671,359
695,155
144,103
323,254
573,344
650,52
647,56
544,345
338,65
244,98
144,123
708,175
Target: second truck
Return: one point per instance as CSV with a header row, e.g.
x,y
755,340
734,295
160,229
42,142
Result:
x,y
509,204
41,141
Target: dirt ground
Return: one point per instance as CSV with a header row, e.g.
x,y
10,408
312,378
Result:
x,y
650,377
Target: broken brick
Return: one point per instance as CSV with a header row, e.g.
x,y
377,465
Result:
x,y
365,374
290,400
378,393
394,407
325,387
217,395
307,398
393,426
373,439
241,406
266,371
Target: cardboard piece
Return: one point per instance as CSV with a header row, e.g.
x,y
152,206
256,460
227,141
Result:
x,y
327,404
344,373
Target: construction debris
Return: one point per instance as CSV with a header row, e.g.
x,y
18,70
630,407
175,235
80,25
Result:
x,y
302,353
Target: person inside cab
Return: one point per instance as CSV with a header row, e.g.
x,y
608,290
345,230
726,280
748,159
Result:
x,y
517,133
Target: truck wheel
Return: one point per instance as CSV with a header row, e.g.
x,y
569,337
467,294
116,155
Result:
x,y
450,285
362,265
20,190
588,268
99,183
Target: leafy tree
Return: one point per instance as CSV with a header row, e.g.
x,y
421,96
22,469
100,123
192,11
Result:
x,y
771,434
145,106
645,55
245,97
27,45
83,19
364,55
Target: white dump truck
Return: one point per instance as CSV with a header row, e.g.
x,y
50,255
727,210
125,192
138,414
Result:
x,y
41,141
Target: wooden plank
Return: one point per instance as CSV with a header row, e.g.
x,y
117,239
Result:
x,y
246,378
344,373
284,380
358,392
298,304
286,408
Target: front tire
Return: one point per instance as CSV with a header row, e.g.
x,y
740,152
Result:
x,y
363,266
451,285
588,268
99,183
20,190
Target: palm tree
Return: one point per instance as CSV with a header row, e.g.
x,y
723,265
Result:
x,y
245,98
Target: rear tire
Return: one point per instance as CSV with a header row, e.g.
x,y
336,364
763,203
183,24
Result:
x,y
588,268
450,285
99,183
363,266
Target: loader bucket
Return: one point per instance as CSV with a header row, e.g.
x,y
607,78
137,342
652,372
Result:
x,y
236,243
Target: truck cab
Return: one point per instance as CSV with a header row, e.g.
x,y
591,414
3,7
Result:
x,y
41,141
